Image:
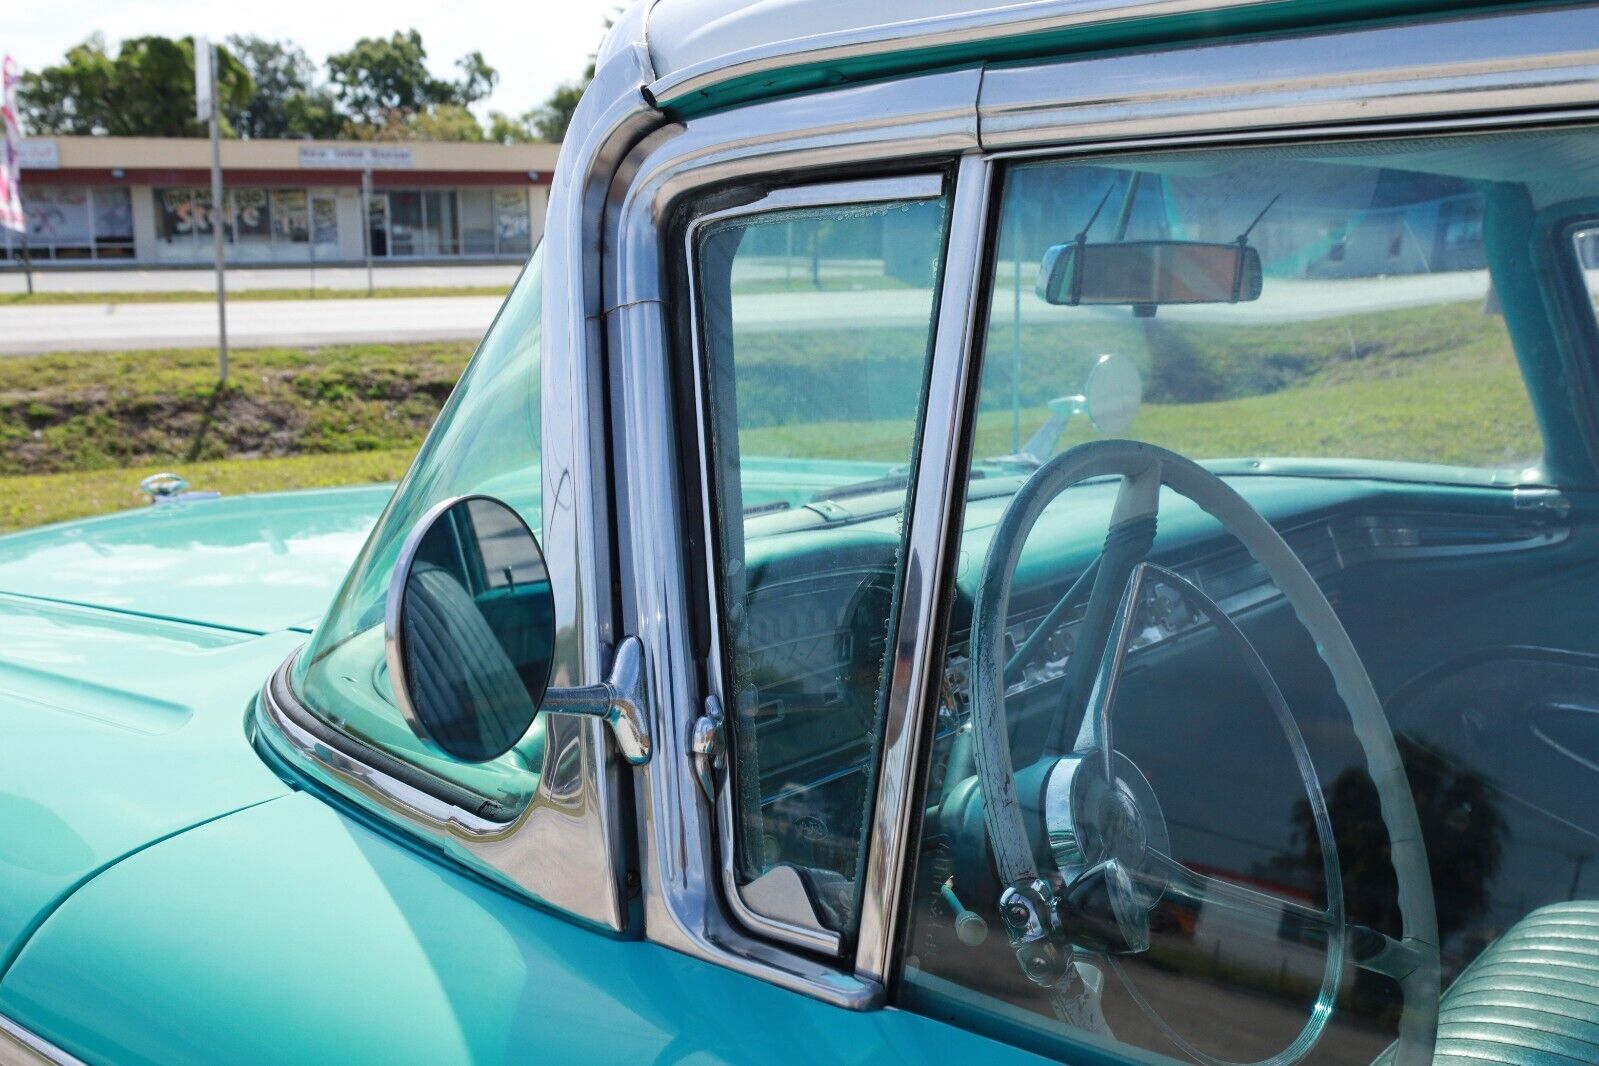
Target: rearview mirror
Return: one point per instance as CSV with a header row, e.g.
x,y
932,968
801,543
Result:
x,y
469,630
1149,273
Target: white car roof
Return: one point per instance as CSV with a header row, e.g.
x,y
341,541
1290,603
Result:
x,y
694,44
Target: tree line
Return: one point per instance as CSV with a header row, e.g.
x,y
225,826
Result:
x,y
380,89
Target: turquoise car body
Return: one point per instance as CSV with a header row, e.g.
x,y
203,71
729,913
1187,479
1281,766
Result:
x,y
172,893
167,897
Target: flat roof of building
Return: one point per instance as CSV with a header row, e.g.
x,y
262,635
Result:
x,y
174,160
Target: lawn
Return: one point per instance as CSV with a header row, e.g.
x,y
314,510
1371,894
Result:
x,y
22,299
1435,384
35,499
1466,408
87,411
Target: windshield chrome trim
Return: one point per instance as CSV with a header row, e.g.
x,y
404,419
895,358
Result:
x,y
20,1044
341,759
932,540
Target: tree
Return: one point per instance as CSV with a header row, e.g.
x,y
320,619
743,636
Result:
x,y
511,129
147,90
383,85
549,122
444,122
287,101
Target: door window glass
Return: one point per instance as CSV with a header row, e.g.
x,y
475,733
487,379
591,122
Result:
x,y
817,329
1271,698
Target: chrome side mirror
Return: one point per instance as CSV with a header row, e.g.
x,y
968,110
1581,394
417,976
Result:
x,y
469,630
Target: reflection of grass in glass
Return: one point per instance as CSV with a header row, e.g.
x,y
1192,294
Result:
x,y
1466,408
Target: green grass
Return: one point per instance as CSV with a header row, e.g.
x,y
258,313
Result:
x,y
1466,407
32,500
103,410
1436,384
22,299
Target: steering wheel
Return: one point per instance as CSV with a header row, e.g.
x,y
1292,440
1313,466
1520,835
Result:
x,y
1107,836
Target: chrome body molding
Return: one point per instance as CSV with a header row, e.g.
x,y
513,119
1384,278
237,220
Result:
x,y
20,1046
431,806
1459,66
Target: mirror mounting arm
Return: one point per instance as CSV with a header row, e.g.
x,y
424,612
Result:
x,y
620,700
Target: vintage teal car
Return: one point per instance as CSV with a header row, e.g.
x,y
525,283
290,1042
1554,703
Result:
x,y
1065,530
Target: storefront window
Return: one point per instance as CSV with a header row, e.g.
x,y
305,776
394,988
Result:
x,y
73,222
113,223
250,223
290,221
477,222
511,223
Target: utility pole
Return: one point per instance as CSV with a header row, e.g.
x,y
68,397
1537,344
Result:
x,y
205,96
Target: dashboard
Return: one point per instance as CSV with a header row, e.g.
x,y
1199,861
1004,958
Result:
x,y
814,645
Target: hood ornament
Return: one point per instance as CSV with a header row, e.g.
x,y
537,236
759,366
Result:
x,y
167,487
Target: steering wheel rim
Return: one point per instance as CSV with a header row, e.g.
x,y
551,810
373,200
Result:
x,y
1144,470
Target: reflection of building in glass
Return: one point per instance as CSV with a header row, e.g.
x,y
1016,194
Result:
x,y
148,201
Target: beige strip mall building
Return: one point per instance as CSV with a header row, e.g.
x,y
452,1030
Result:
x,y
144,201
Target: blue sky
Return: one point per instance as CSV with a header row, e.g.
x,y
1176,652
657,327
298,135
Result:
x,y
535,46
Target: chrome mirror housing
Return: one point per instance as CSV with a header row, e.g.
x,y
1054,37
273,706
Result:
x,y
469,630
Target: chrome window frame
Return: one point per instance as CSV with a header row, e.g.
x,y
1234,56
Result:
x,y
921,186
1467,79
915,126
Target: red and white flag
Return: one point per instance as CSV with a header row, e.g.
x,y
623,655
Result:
x,y
11,153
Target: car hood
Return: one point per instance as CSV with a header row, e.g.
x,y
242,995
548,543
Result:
x,y
131,648
250,563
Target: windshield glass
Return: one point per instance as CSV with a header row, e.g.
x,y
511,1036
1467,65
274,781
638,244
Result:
x,y
485,441
1374,332
1267,709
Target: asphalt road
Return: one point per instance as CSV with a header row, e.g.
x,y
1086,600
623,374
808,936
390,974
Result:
x,y
119,327
242,278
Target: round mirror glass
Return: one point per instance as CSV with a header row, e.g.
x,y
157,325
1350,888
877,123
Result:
x,y
1113,393
471,628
